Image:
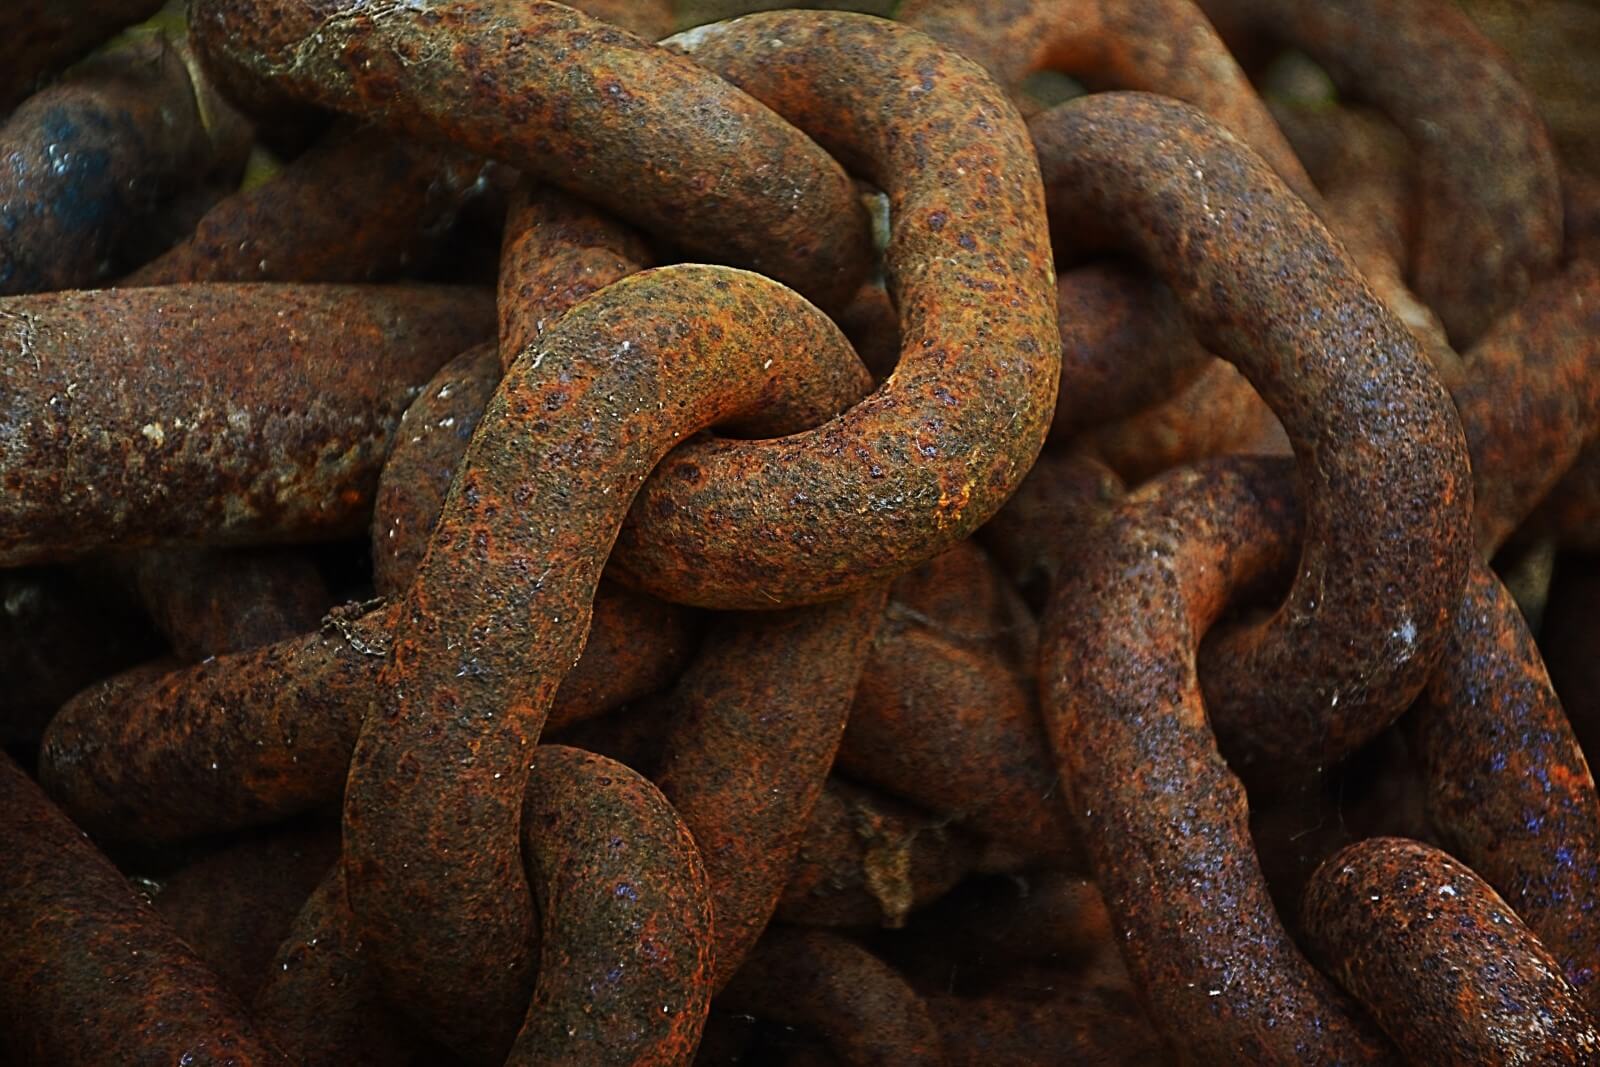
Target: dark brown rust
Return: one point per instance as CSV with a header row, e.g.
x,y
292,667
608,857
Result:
x,y
210,602
755,726
320,996
1125,347
1069,1027
1162,816
1219,414
625,913
557,251
158,754
569,100
942,719
868,860
1529,398
1570,514
428,446
1037,533
216,413
39,36
1362,167
84,161
357,206
1508,787
91,974
1155,46
58,635
1166,47
863,1009
1383,464
1487,200
938,447
1442,962
500,606
234,906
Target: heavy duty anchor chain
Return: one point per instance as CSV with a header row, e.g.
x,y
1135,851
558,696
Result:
x,y
528,539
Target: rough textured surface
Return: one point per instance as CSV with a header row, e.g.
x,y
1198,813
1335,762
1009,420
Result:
x,y
210,602
947,717
158,754
357,206
84,161
868,860
223,413
756,722
1155,46
566,99
1508,788
501,603
625,913
557,250
39,36
320,997
1488,222
864,1010
1162,816
1529,399
1383,466
234,906
1447,968
87,160
428,446
1125,346
91,974
930,455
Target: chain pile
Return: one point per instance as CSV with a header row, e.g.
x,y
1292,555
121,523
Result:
x,y
1031,532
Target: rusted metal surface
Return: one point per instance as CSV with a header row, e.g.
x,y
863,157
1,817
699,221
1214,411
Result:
x,y
1487,201
1441,961
938,447
235,906
159,754
943,720
815,978
357,206
1508,787
755,726
868,860
557,251
1125,347
1162,816
40,36
625,911
216,413
1156,46
83,161
209,602
58,635
1529,398
92,974
580,110
1386,486
501,602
